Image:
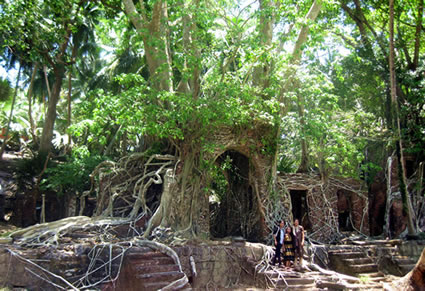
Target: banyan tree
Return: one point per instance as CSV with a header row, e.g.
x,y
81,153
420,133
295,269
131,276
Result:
x,y
214,171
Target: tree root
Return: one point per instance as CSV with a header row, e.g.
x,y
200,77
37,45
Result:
x,y
101,257
122,186
50,233
177,284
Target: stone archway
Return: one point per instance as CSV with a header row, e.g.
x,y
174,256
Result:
x,y
235,210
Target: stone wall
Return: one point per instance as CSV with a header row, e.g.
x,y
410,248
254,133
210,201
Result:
x,y
218,265
222,265
324,205
412,249
17,271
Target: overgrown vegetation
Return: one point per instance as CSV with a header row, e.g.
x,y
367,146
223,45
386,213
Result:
x,y
307,84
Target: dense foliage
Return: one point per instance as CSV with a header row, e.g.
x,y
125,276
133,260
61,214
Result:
x,y
136,83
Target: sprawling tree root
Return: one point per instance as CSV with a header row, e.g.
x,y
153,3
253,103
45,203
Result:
x,y
50,233
264,267
161,212
122,187
177,284
43,273
95,256
103,255
264,264
276,210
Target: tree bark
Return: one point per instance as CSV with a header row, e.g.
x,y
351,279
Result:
x,y
155,40
69,117
58,65
291,81
418,34
49,94
389,199
190,80
49,122
30,92
399,143
261,73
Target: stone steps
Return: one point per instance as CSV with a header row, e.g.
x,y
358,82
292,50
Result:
x,y
359,261
156,268
147,269
371,275
352,260
158,260
159,276
144,255
155,286
288,281
301,287
364,268
347,255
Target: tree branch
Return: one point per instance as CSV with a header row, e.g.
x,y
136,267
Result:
x,y
418,34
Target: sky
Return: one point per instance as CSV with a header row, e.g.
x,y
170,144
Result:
x,y
3,73
11,75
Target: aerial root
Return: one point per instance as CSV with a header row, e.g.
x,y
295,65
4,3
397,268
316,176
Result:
x,y
122,187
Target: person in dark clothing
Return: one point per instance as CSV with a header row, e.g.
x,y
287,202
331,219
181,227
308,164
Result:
x,y
299,242
278,236
288,248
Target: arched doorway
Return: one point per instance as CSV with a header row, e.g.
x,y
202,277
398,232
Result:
x,y
234,207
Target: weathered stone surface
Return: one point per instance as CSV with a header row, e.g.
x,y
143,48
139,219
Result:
x,y
218,265
414,280
222,265
6,240
412,249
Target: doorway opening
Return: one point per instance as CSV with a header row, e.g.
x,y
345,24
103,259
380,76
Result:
x,y
344,209
300,207
234,209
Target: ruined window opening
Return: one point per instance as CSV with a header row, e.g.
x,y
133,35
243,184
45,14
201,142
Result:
x,y
234,209
300,207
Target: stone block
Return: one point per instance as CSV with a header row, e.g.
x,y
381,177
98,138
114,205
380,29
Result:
x,y
412,249
6,240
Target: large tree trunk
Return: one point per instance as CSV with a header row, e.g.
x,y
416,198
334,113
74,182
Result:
x,y
155,40
49,122
184,206
261,72
407,206
291,81
30,92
